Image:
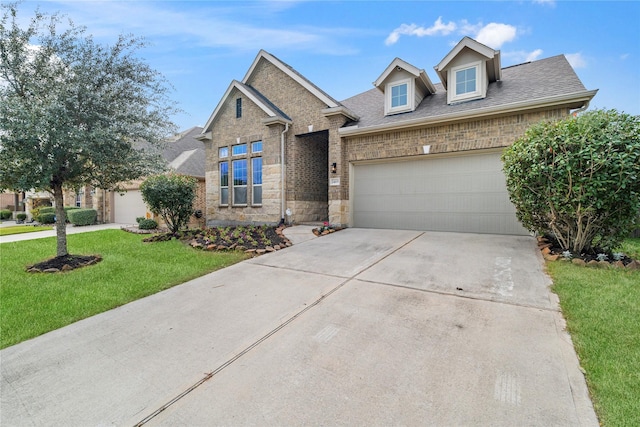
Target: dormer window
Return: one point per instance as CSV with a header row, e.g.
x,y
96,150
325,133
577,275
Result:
x,y
464,82
398,94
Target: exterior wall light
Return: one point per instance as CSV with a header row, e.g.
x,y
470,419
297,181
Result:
x,y
334,167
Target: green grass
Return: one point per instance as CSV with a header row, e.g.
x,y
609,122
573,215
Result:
x,y
602,309
32,304
19,229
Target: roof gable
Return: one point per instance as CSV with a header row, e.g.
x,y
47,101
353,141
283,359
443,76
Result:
x,y
491,58
264,104
398,65
293,74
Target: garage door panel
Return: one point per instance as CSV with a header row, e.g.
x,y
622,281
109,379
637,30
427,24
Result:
x,y
465,193
129,206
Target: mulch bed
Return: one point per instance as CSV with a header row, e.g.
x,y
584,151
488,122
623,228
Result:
x,y
250,239
552,251
64,263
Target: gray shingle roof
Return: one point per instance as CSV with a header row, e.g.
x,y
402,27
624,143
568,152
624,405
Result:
x,y
185,154
526,82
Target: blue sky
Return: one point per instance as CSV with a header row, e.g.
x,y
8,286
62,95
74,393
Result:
x,y
342,47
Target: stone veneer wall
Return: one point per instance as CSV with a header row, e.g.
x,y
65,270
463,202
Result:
x,y
467,136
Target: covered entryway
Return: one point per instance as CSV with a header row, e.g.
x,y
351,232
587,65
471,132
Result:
x,y
463,193
128,206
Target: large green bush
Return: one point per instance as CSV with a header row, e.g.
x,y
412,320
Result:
x,y
82,216
5,214
46,218
171,196
147,224
578,179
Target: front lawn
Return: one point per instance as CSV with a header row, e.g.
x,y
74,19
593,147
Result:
x,y
602,309
19,229
34,303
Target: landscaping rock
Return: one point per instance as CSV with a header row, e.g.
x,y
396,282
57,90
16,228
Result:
x,y
633,265
593,263
260,251
277,247
66,267
604,264
50,270
550,257
578,261
270,249
618,264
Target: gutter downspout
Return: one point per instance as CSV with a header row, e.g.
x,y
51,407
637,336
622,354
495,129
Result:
x,y
581,109
282,164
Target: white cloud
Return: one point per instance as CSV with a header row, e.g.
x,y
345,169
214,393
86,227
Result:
x,y
576,60
438,28
624,56
495,35
545,2
532,56
519,56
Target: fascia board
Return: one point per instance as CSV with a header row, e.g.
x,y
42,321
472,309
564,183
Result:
x,y
551,101
295,76
483,50
397,62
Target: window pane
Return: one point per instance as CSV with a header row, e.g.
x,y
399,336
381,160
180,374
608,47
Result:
x,y
256,147
238,108
399,95
239,195
257,170
224,196
257,194
466,81
239,172
224,174
237,150
223,152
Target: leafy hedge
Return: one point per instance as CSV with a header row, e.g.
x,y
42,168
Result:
x,y
46,218
578,179
82,216
5,214
147,224
47,211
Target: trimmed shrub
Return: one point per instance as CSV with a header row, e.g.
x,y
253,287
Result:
x,y
21,216
140,218
46,218
147,224
171,196
5,214
82,216
578,179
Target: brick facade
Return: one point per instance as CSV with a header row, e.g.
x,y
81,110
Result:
x,y
306,151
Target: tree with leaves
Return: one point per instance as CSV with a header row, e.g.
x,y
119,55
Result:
x,y
578,179
171,196
74,112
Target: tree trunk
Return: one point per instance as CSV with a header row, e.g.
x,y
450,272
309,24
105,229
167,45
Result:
x,y
61,226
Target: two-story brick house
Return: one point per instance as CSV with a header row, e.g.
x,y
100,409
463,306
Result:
x,y
406,154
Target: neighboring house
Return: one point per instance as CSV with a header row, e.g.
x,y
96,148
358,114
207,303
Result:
x,y
183,153
407,154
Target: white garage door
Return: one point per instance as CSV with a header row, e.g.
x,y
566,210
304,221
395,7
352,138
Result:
x,y
463,193
128,206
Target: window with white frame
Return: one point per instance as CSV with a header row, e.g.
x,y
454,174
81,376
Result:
x,y
398,96
239,150
465,83
223,152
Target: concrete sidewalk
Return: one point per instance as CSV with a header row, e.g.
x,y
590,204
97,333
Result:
x,y
360,327
71,229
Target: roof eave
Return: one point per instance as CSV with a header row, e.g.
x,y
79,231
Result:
x,y
340,110
576,99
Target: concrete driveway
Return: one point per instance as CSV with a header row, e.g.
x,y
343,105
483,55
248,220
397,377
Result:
x,y
360,327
